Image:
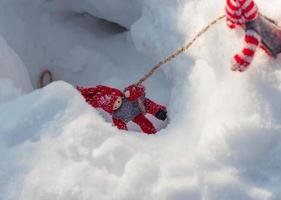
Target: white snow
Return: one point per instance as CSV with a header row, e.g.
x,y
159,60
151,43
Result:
x,y
124,12
223,137
12,68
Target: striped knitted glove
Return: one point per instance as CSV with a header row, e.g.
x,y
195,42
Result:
x,y
230,24
242,60
239,12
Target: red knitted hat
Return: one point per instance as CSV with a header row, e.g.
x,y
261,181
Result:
x,y
101,97
239,12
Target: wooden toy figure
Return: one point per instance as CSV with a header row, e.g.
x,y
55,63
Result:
x,y
259,31
131,105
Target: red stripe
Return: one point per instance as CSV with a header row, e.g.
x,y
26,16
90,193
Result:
x,y
251,40
230,24
239,60
249,8
242,2
248,52
266,50
253,16
230,15
235,16
231,6
234,22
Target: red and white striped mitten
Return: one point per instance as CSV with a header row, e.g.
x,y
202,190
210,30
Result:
x,y
242,60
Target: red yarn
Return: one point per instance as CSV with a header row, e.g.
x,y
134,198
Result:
x,y
145,125
135,92
104,97
120,124
101,96
239,12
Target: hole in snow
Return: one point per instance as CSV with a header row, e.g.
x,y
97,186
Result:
x,y
94,24
84,50
103,24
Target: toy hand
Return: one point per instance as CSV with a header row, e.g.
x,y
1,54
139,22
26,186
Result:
x,y
161,114
238,63
134,92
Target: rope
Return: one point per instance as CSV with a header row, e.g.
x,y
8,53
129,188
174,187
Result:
x,y
179,51
47,73
44,74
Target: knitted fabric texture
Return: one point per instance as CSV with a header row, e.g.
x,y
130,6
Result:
x,y
128,110
238,13
101,96
120,117
104,97
269,32
135,92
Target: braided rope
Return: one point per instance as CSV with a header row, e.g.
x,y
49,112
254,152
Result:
x,y
179,51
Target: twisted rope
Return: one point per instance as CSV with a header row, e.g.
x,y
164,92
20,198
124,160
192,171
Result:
x,y
179,51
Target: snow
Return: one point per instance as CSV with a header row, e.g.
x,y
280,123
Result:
x,y
124,12
12,68
223,137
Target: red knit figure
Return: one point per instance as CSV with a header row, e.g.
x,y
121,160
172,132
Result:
x,y
259,31
125,107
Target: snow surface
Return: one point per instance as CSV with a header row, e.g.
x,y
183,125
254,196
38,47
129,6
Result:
x,y
12,68
223,137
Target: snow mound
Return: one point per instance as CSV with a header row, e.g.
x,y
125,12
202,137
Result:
x,y
85,156
223,139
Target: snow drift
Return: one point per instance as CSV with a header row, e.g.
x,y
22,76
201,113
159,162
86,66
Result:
x,y
12,68
223,138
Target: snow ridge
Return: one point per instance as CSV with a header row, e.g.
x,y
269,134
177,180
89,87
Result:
x,y
223,138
